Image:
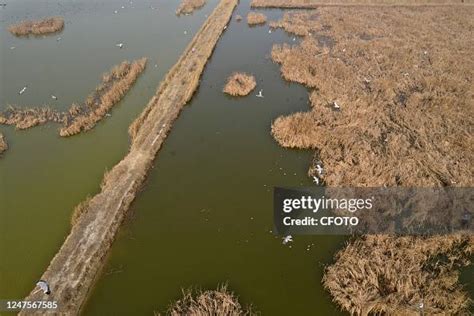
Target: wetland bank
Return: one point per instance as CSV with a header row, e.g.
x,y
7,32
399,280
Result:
x,y
177,227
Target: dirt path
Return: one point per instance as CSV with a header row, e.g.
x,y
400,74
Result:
x,y
73,270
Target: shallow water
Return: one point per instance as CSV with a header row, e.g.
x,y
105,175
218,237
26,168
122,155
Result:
x,y
204,216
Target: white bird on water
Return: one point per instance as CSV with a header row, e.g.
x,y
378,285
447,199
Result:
x,y
54,97
22,90
287,239
260,94
119,45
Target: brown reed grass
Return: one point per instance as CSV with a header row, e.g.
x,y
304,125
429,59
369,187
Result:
x,y
405,117
254,18
79,210
386,275
3,143
189,6
404,89
115,84
24,118
312,4
240,84
211,302
39,27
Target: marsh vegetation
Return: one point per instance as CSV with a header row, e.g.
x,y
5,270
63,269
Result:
x,y
211,302
254,18
313,4
240,84
115,84
38,27
189,6
386,275
3,143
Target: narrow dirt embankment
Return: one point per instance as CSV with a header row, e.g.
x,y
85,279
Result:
x,y
73,270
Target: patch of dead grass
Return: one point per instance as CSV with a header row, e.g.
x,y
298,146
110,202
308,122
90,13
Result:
x,y
212,302
240,84
3,144
312,4
254,18
404,117
188,6
115,85
84,117
39,27
404,90
384,275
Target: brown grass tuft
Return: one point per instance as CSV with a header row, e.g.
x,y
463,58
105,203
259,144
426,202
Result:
x,y
240,84
404,90
114,86
313,4
215,302
24,118
189,6
3,144
254,18
383,275
79,210
39,27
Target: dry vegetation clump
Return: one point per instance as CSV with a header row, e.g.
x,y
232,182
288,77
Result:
x,y
240,84
384,275
3,144
238,18
312,4
254,18
404,92
79,210
215,302
391,105
78,118
115,85
40,27
24,118
188,6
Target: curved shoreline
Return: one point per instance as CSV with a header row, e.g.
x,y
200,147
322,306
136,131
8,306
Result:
x,y
72,271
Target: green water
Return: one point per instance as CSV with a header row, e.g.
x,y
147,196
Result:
x,y
204,216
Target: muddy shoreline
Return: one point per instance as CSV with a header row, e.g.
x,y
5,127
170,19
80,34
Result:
x,y
72,271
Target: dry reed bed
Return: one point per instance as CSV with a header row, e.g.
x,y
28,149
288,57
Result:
x,y
24,118
189,6
39,27
240,84
312,4
3,143
79,118
405,117
115,85
73,270
254,18
404,90
215,302
384,275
